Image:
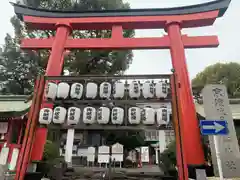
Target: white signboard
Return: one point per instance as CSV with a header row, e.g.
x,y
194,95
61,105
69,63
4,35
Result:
x,y
91,154
216,107
117,152
103,154
145,154
82,152
3,127
4,155
13,162
117,148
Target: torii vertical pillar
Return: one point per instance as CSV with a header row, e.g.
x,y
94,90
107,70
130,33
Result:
x,y
188,113
54,68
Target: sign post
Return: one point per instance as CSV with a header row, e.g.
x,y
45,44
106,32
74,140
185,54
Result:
x,y
220,128
215,127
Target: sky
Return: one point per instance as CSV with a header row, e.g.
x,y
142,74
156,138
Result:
x,y
158,61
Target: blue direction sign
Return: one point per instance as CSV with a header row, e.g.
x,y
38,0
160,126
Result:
x,y
213,127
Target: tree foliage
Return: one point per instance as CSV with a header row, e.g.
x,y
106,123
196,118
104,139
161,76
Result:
x,y
130,140
168,156
51,151
228,74
19,68
50,157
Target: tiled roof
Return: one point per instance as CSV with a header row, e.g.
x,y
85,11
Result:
x,y
13,105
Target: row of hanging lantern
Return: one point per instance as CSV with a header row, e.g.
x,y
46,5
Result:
x,y
106,90
102,115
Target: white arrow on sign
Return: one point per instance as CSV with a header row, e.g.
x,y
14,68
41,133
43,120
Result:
x,y
216,126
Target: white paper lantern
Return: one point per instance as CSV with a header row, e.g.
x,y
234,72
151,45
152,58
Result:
x,y
91,90
105,90
73,117
76,91
45,116
59,115
63,90
51,91
134,89
162,116
103,115
161,90
148,116
117,115
134,115
118,90
89,115
148,89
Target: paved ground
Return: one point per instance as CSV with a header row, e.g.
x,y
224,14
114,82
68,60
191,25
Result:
x,y
144,169
217,178
119,173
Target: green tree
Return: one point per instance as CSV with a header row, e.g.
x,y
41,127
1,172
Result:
x,y
220,73
19,68
168,156
50,157
51,151
130,140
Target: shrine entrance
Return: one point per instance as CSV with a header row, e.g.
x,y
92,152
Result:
x,y
189,149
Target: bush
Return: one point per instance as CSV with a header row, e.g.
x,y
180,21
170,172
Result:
x,y
50,157
51,151
168,160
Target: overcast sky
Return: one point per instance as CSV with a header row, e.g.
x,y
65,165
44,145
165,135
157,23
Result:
x,y
158,61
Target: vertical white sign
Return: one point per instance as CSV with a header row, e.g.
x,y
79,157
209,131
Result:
x,y
216,107
69,146
162,140
145,154
13,162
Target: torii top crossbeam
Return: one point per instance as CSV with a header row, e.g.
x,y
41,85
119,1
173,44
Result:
x,y
117,20
191,16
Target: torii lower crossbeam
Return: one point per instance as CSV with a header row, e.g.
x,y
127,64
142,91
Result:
x,y
122,43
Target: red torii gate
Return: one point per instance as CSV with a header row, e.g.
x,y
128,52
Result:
x,y
170,19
